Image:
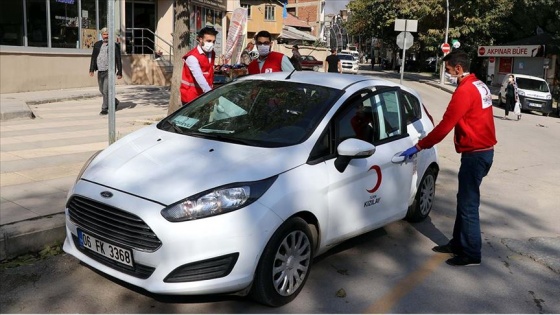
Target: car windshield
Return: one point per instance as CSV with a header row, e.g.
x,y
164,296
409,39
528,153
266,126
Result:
x,y
255,112
345,57
533,85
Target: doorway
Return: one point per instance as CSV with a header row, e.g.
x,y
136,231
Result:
x,y
140,25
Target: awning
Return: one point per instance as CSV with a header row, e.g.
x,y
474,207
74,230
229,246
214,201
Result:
x,y
289,32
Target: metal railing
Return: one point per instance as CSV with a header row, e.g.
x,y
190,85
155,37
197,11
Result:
x,y
142,41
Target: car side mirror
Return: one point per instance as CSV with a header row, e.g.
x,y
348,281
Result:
x,y
352,149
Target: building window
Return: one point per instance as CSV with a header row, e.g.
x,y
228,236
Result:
x,y
248,7
11,23
64,24
269,13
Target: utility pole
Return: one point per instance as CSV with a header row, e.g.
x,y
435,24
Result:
x,y
111,70
442,70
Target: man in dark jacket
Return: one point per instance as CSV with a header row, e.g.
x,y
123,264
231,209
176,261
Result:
x,y
100,63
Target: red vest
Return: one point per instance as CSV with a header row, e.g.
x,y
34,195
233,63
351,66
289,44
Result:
x,y
272,63
189,87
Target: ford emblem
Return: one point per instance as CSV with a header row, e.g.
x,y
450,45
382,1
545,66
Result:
x,y
106,194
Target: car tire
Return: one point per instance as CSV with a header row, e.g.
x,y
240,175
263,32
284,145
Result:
x,y
284,265
424,199
316,68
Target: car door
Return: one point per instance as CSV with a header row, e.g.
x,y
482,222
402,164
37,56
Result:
x,y
375,190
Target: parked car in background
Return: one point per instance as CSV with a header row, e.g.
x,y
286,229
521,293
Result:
x,y
534,93
239,191
310,63
349,63
353,53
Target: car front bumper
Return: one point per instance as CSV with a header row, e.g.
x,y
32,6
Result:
x,y
241,234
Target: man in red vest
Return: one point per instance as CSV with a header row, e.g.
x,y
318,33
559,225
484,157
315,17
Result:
x,y
268,61
198,70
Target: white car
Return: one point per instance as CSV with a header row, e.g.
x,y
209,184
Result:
x,y
534,93
239,190
349,63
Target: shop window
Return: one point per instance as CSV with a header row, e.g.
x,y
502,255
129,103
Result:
x,y
11,23
64,24
36,23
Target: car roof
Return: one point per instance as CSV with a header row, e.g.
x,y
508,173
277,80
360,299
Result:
x,y
525,76
330,80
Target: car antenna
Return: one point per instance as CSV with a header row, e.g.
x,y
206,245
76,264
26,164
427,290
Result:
x,y
290,75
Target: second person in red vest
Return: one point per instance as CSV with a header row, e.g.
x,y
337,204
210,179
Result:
x,y
268,61
198,70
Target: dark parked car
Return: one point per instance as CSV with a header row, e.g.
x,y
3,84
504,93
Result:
x,y
310,63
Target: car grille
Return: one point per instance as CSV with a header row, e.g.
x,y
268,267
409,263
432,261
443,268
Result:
x,y
204,270
532,103
111,223
138,271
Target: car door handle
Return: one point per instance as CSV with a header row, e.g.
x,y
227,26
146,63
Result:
x,y
398,158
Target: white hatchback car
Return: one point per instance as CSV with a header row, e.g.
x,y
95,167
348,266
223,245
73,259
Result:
x,y
349,63
239,190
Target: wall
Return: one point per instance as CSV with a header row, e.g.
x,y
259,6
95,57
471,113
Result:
x,y
164,25
24,71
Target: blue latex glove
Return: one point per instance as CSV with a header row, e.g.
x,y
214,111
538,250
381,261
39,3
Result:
x,y
410,152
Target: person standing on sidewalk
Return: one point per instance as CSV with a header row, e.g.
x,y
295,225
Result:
x,y
470,113
332,63
100,63
198,67
268,61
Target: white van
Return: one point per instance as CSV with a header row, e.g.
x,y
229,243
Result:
x,y
534,93
354,54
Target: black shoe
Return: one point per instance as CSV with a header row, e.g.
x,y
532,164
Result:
x,y
117,102
103,112
446,249
462,261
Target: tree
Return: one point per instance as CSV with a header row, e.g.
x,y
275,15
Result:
x,y
181,44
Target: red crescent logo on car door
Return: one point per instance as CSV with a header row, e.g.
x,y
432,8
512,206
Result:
x,y
379,177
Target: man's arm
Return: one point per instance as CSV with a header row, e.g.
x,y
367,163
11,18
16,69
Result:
x,y
118,60
92,62
325,66
194,66
339,66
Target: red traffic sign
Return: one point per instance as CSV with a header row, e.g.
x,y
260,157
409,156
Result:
x,y
445,48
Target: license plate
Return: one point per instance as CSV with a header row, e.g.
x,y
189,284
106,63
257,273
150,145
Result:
x,y
535,105
113,252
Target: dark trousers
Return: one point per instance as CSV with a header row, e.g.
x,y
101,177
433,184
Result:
x,y
510,103
103,82
466,232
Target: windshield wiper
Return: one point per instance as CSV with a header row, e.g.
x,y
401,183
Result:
x,y
175,127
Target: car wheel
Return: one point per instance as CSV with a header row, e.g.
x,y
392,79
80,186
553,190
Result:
x,y
284,265
316,68
424,199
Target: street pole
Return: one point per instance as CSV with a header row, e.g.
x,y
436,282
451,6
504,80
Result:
x,y
446,38
111,70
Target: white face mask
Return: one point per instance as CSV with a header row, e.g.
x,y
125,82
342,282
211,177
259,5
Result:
x,y
263,50
208,47
454,78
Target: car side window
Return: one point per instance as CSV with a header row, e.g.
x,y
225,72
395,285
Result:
x,y
411,107
386,112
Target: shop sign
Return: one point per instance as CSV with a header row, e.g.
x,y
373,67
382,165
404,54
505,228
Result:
x,y
511,51
214,4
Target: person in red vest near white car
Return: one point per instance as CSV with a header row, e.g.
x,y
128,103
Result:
x,y
198,70
268,61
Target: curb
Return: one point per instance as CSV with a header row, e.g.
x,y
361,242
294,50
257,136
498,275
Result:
x,y
31,235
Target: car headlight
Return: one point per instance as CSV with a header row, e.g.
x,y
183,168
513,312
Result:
x,y
217,201
88,162
522,93
549,97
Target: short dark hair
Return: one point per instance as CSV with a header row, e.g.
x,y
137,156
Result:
x,y
210,30
263,34
333,50
457,57
295,46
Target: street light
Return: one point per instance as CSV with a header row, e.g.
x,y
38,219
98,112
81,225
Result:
x,y
446,38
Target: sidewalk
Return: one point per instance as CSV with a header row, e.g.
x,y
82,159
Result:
x,y
45,138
